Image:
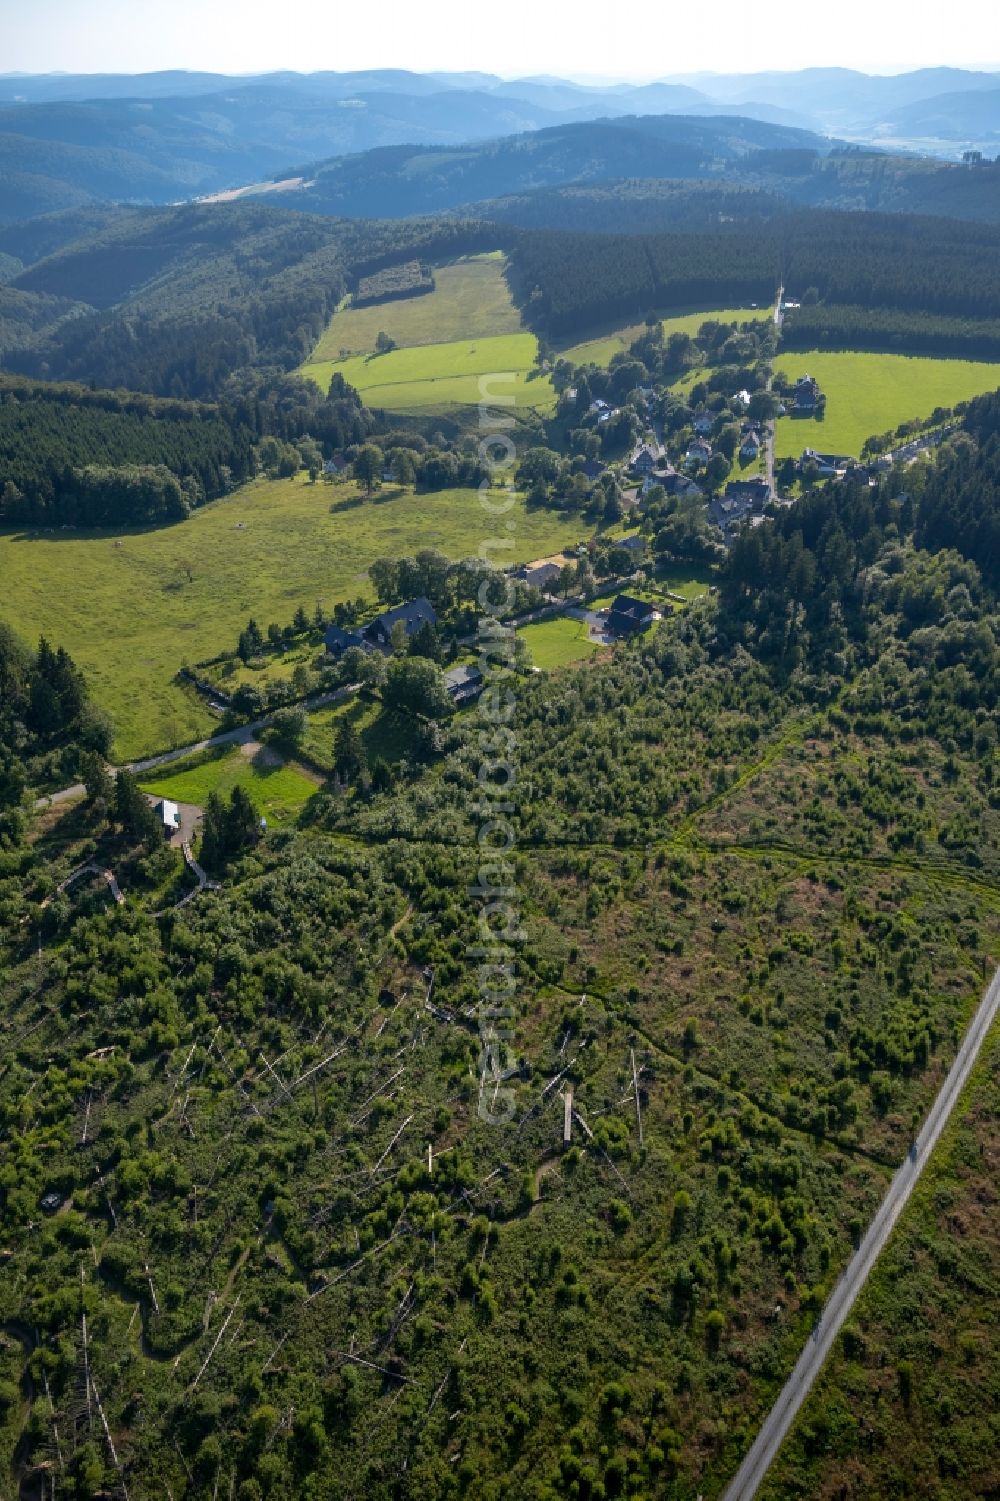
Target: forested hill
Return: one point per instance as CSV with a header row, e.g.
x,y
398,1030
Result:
x,y
173,300
793,166
569,281
73,456
402,180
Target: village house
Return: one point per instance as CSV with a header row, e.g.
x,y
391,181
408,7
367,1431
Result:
x,y
807,394
703,423
740,499
698,451
644,460
336,465
682,486
378,634
463,683
412,616
628,616
751,445
636,545
539,575
756,490
828,465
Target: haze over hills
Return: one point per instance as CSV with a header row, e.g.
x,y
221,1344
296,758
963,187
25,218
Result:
x,y
155,138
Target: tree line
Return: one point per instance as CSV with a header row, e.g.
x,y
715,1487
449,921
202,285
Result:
x,y
77,457
567,281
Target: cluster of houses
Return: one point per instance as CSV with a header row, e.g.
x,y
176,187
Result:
x,y
652,467
463,683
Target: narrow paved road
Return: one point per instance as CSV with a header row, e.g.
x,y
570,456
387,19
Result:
x,y
240,736
779,1420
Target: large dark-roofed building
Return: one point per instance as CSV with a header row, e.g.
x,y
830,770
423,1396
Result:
x,y
629,616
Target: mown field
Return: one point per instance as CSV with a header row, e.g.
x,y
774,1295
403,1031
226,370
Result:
x,y
133,607
873,393
466,328
446,374
278,792
601,349
470,300
556,643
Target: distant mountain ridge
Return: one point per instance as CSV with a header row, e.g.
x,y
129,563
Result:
x,y
70,140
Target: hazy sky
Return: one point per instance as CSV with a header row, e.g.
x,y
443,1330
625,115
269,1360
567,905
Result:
x,y
647,39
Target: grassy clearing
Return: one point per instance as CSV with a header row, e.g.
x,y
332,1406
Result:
x,y
135,606
556,643
600,350
384,734
667,583
278,792
873,393
446,374
471,300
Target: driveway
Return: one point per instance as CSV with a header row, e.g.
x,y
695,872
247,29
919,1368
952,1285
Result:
x,y
597,624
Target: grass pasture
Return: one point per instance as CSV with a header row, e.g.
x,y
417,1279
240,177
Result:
x,y
278,792
445,374
133,607
558,642
873,393
601,349
470,300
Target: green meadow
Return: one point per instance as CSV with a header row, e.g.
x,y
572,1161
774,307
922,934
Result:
x,y
873,393
133,607
556,643
601,349
467,328
446,374
278,792
470,300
